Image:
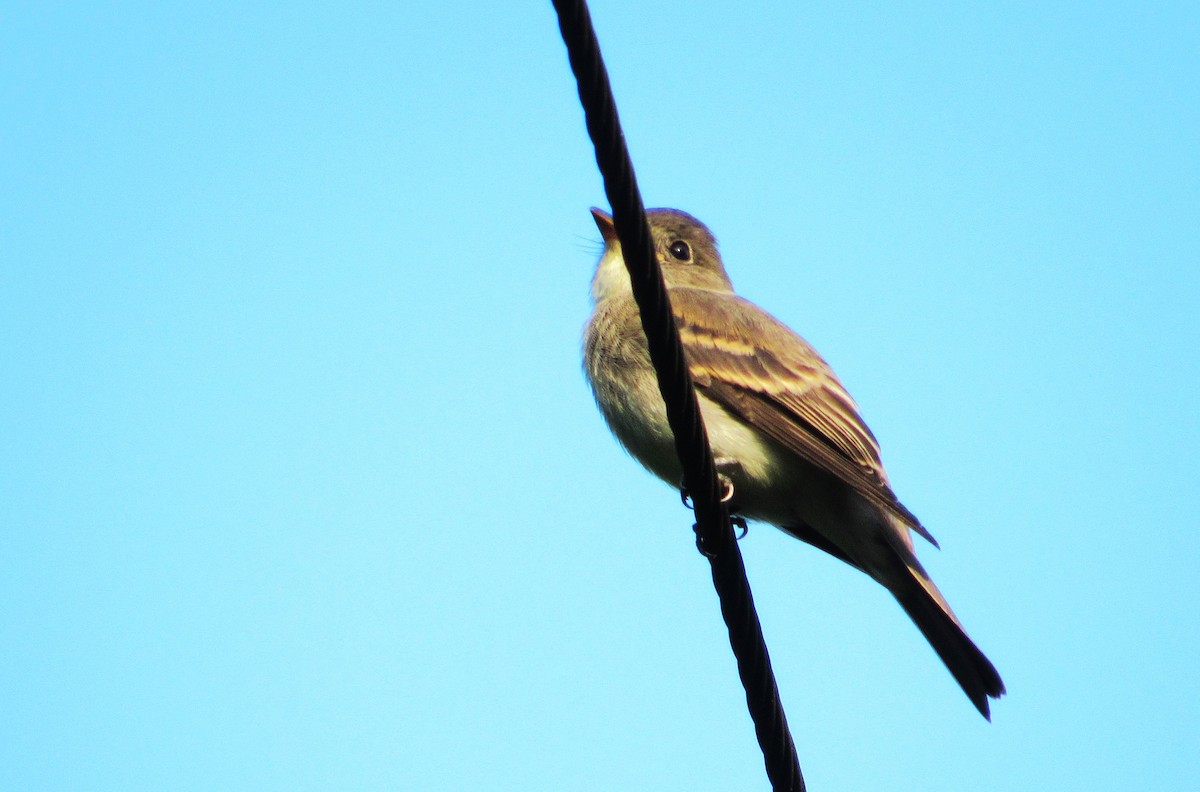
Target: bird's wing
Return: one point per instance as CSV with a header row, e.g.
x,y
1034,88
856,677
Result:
x,y
782,388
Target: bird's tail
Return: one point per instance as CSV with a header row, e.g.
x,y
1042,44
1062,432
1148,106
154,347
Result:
x,y
928,609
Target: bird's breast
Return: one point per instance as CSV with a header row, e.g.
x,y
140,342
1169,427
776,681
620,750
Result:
x,y
617,366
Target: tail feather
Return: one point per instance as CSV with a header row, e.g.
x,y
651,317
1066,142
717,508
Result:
x,y
926,606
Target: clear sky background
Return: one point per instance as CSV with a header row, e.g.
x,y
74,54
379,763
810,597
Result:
x,y
301,486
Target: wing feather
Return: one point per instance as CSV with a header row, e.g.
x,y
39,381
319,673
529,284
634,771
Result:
x,y
783,388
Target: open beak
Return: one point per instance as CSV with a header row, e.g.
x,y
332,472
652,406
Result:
x,y
604,222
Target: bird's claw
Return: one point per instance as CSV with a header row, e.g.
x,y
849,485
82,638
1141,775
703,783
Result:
x,y
727,485
740,522
725,467
726,491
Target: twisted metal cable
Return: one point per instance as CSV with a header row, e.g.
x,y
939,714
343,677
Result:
x,y
714,534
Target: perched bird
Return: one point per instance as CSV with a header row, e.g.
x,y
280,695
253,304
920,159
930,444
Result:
x,y
786,435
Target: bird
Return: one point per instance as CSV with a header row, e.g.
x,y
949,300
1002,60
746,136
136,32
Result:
x,y
786,436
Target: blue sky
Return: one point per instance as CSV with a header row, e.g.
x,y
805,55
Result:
x,y
302,487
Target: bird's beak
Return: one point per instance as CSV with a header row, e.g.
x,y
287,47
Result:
x,y
604,222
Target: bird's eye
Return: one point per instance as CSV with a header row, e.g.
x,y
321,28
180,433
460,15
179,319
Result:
x,y
680,250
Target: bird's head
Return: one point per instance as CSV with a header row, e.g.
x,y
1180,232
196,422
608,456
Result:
x,y
685,248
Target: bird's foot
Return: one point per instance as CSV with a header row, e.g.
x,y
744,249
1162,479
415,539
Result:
x,y
725,466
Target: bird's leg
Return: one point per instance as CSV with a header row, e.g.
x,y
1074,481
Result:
x,y
726,467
